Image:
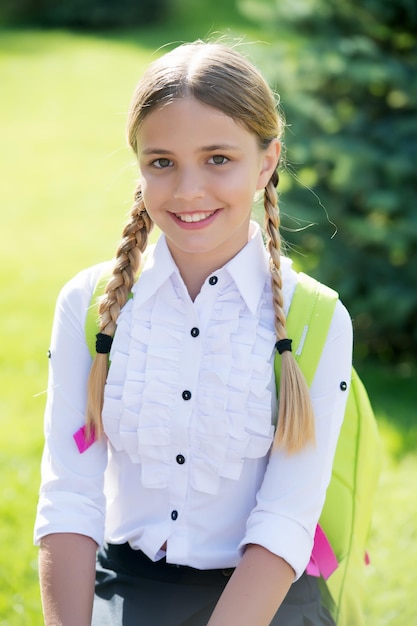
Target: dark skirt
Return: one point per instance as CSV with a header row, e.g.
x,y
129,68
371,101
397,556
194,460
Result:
x,y
131,590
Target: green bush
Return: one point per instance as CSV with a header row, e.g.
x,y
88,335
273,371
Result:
x,y
84,14
350,101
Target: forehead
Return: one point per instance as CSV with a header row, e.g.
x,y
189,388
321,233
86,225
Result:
x,y
187,119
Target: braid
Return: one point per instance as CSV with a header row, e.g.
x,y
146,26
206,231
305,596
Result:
x,y
272,223
127,262
295,425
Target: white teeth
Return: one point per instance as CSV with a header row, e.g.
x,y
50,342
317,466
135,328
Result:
x,y
194,217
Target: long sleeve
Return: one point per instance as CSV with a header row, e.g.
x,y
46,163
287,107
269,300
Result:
x,y
293,490
71,495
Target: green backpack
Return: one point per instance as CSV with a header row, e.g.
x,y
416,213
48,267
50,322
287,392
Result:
x,y
346,514
339,553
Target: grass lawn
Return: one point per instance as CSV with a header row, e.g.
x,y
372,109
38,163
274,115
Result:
x,y
67,180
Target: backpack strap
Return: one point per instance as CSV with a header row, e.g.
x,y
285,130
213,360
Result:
x,y
92,322
308,322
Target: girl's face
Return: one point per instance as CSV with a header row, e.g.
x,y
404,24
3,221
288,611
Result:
x,y
199,173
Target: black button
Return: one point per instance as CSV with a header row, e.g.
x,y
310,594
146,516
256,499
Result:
x,y
213,280
186,395
49,353
343,385
180,459
195,332
174,515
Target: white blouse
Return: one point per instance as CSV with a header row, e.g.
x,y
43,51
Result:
x,y
187,415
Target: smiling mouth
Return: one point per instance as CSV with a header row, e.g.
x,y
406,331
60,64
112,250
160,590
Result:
x,y
194,217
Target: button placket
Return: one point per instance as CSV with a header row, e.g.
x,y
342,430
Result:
x,y
189,367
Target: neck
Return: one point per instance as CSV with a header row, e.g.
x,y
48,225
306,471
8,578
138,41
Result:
x,y
195,270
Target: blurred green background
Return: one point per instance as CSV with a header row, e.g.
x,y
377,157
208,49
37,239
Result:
x,y
346,71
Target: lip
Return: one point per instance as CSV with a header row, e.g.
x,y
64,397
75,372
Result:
x,y
194,225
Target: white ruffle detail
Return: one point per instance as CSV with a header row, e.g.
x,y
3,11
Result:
x,y
231,419
142,384
234,391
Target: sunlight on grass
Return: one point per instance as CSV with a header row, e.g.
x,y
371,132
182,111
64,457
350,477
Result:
x,y
393,546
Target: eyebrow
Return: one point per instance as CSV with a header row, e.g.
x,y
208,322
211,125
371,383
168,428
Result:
x,y
212,148
156,151
219,146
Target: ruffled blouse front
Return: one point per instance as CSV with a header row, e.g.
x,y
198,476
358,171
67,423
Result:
x,y
156,363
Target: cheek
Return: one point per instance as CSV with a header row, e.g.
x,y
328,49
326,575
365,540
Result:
x,y
241,182
244,188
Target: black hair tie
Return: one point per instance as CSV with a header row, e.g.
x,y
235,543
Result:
x,y
284,345
103,343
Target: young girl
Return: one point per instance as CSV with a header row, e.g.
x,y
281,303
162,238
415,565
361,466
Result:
x,y
200,513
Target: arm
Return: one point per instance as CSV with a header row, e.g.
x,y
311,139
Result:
x,y
67,573
71,508
255,591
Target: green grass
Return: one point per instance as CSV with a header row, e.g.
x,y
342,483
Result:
x,y
67,180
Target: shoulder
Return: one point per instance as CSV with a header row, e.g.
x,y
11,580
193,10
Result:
x,y
85,281
74,297
314,298
342,321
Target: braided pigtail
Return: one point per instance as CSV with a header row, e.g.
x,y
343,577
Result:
x,y
295,426
127,262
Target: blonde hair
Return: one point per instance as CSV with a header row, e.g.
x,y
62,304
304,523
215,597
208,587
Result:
x,y
220,77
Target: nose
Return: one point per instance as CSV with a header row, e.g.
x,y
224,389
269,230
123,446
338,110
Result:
x,y
189,185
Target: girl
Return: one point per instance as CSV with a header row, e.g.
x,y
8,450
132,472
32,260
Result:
x,y
201,514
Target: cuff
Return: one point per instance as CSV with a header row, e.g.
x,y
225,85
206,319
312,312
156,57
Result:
x,y
68,513
282,536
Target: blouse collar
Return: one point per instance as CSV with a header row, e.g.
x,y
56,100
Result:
x,y
248,269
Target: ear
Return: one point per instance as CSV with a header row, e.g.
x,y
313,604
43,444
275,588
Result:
x,y
269,162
